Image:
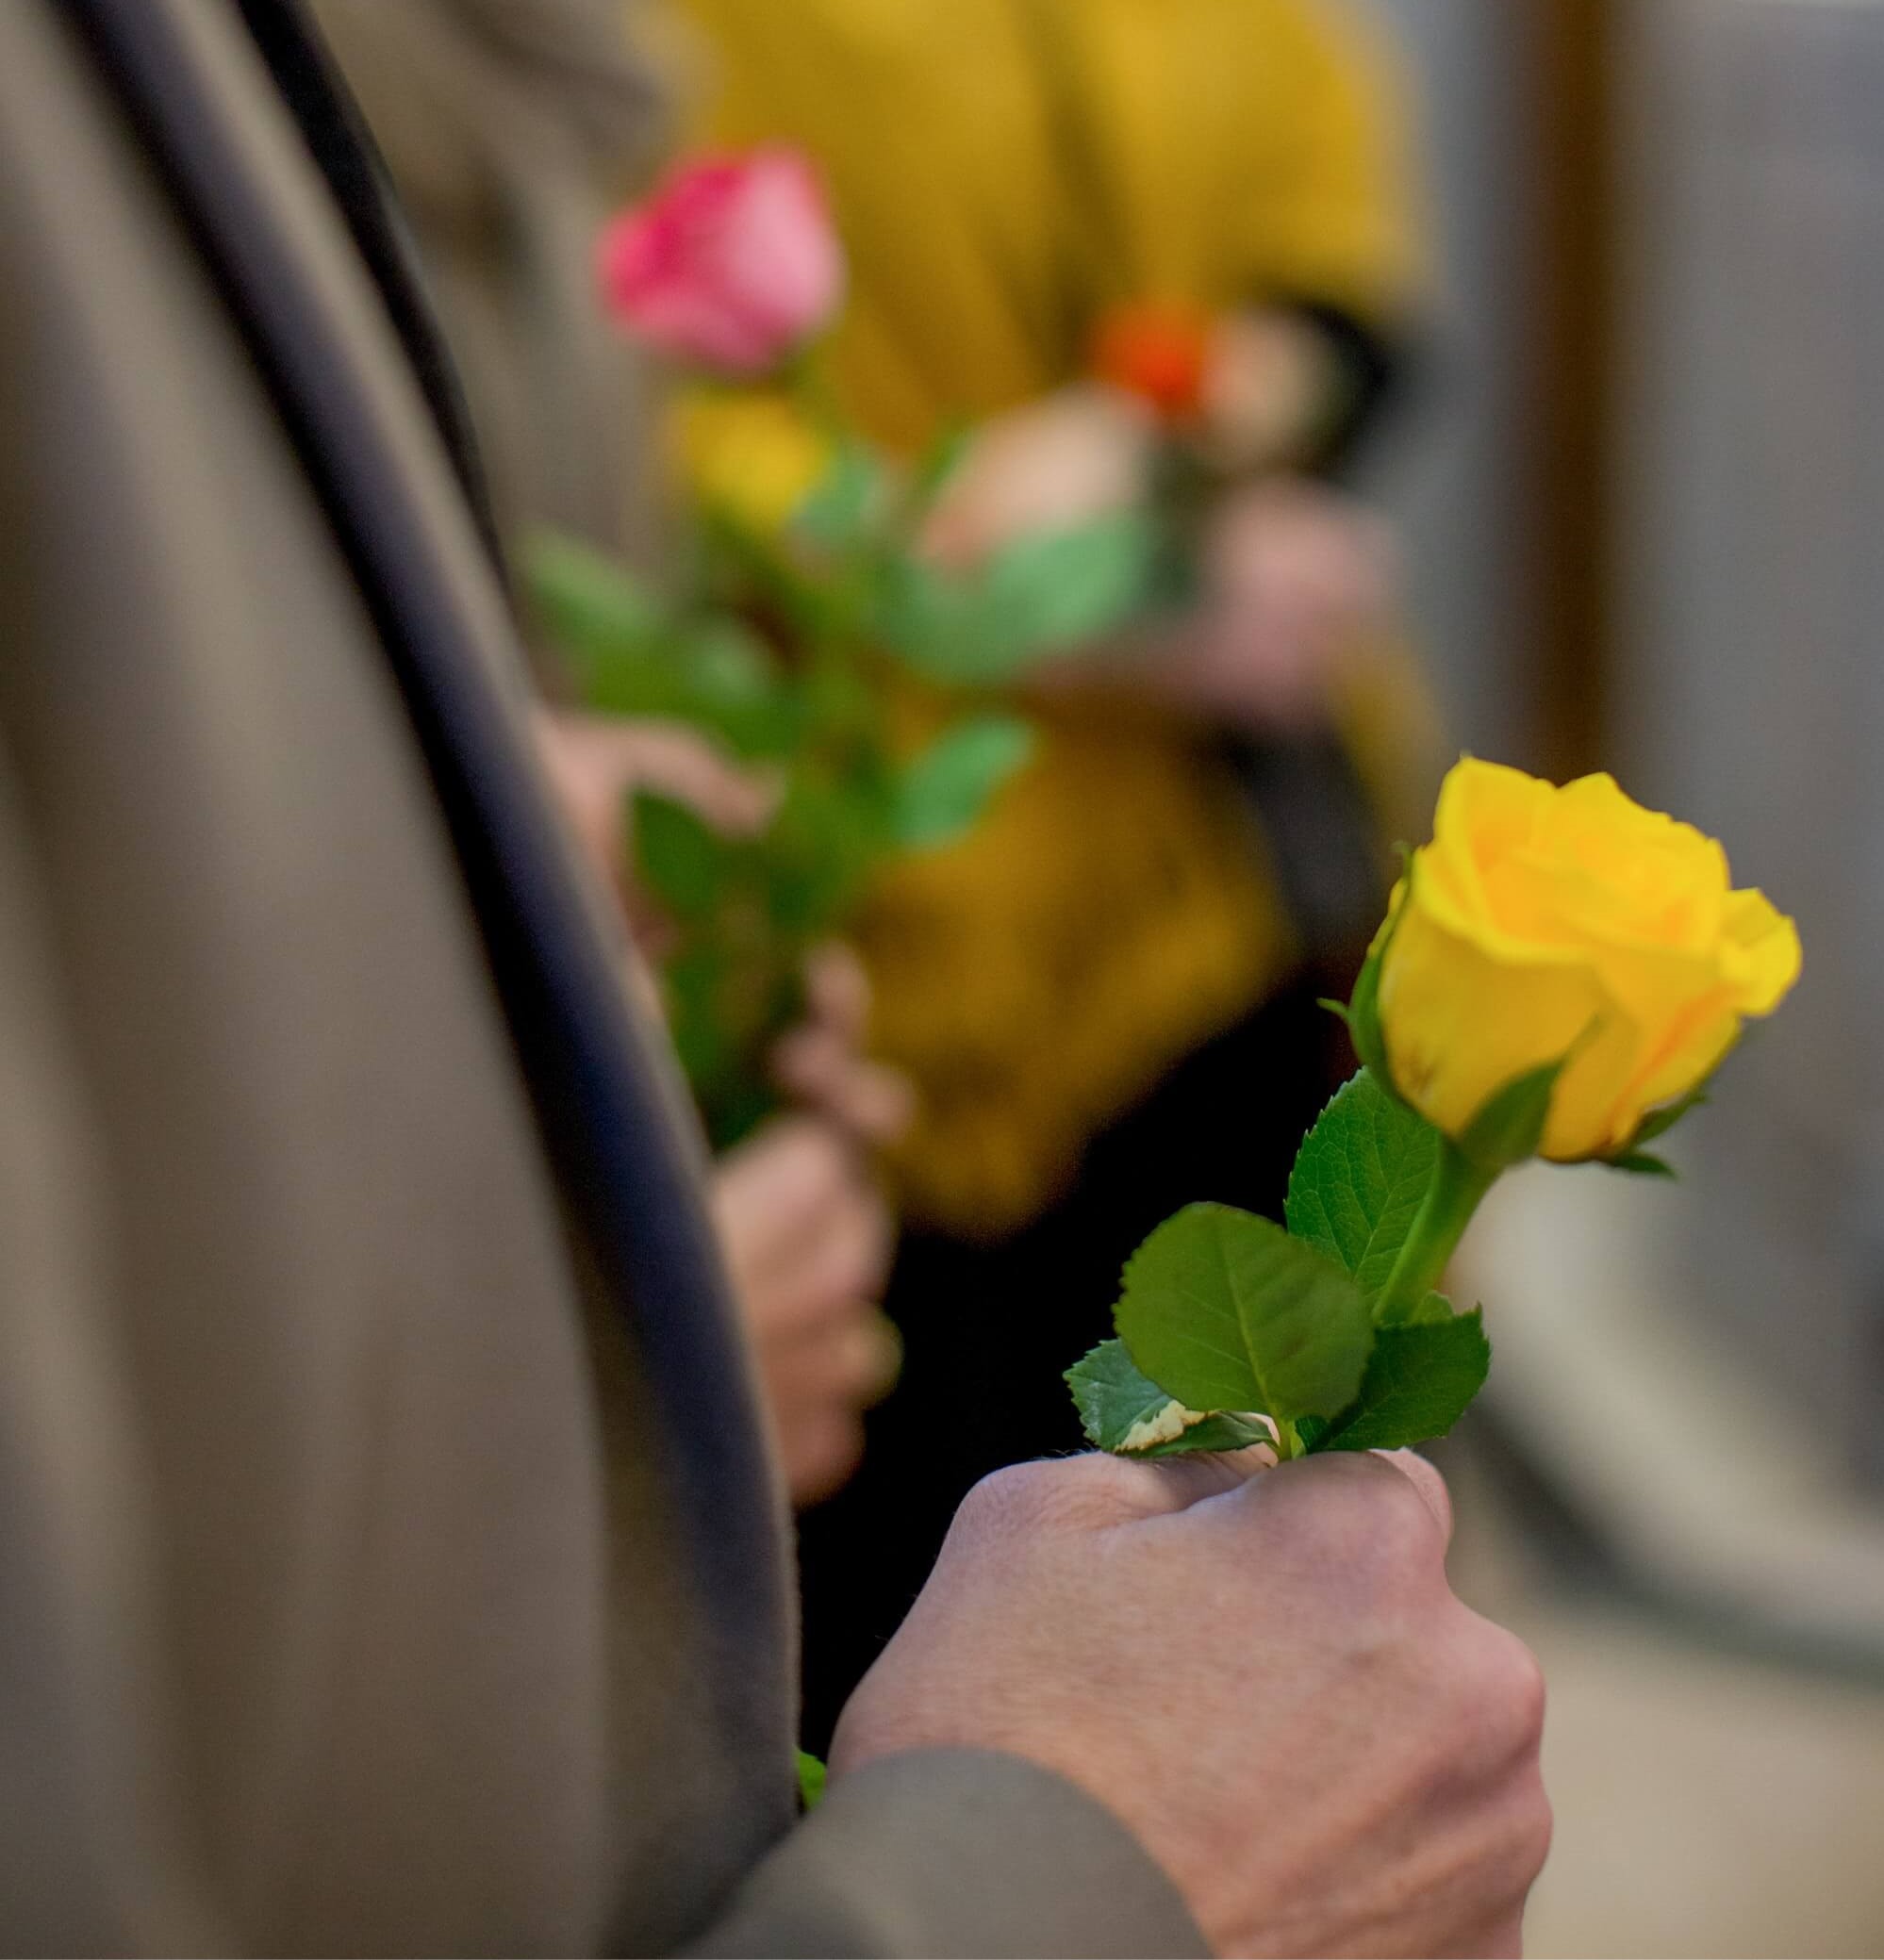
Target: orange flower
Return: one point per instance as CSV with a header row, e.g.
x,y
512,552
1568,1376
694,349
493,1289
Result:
x,y
1157,349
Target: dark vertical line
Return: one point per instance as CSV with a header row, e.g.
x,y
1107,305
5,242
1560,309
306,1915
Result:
x,y
1575,288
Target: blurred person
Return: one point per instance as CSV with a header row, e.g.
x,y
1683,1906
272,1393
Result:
x,y
390,1560
510,128
1107,996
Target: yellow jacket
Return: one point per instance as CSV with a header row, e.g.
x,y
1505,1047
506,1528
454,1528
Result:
x,y
1001,171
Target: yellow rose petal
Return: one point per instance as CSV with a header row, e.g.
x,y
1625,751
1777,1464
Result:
x,y
1768,944
1541,922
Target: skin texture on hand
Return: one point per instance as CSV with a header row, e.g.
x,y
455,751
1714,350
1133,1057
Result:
x,y
821,1063
1265,1675
596,761
1073,457
1266,383
1294,579
808,1243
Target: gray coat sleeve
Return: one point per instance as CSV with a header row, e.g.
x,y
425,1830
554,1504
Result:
x,y
956,1852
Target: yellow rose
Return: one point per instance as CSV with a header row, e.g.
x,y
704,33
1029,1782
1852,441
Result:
x,y
1541,922
749,455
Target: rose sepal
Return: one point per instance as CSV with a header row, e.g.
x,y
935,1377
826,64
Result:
x,y
1363,1012
1509,1128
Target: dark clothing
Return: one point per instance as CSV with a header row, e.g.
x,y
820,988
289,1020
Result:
x,y
990,1329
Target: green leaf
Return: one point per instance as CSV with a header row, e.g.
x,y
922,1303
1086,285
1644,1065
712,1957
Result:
x,y
1036,597
685,864
940,794
829,835
812,1777
1112,1396
1658,1123
692,985
588,601
937,463
709,671
1115,1401
1642,1164
1211,1436
1223,1310
1061,589
1510,1123
1420,1381
839,514
727,681
1434,1307
1360,1180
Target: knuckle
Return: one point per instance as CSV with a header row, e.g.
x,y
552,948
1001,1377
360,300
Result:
x,y
1501,1694
1537,1826
1003,1497
1524,1695
1387,1534
1049,1493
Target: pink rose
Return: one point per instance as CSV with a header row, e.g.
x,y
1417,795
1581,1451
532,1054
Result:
x,y
732,264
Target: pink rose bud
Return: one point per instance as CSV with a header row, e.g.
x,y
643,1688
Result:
x,y
732,264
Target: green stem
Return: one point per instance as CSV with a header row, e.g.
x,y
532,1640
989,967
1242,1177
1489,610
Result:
x,y
1457,1188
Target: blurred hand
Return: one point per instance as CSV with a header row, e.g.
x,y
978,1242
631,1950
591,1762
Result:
x,y
821,1063
1265,1676
1266,382
1077,455
807,1242
1294,577
595,763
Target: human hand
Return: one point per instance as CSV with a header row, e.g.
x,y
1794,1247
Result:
x,y
822,1065
1269,377
1295,575
1082,454
807,1244
595,761
1265,1676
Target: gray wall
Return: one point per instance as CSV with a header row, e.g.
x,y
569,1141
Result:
x,y
1751,523
1453,472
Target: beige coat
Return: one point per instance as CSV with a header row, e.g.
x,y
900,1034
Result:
x,y
335,1178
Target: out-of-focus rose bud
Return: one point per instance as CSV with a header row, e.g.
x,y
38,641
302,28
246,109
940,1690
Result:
x,y
1158,351
1544,923
731,265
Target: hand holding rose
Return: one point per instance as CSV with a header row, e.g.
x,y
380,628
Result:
x,y
1265,1676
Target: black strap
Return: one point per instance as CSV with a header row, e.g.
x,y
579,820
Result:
x,y
607,1098
345,153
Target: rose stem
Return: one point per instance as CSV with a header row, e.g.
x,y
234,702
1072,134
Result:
x,y
1457,1188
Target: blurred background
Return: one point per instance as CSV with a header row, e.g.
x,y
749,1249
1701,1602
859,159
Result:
x,y
1633,452
1641,504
